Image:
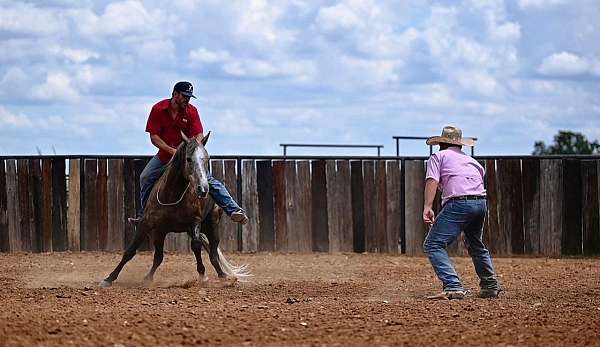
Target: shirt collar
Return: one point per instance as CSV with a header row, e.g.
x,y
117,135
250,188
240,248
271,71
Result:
x,y
455,149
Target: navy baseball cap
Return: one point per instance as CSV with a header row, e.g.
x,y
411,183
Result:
x,y
184,88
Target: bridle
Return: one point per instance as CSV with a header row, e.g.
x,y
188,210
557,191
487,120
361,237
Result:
x,y
171,203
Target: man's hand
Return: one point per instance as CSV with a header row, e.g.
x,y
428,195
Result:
x,y
431,186
428,215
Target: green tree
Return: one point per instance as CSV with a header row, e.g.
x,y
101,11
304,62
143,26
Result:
x,y
567,142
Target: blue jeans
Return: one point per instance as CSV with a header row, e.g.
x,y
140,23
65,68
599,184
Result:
x,y
155,168
455,217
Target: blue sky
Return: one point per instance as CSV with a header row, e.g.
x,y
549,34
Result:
x,y
79,77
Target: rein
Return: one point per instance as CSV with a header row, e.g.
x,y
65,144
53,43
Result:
x,y
171,203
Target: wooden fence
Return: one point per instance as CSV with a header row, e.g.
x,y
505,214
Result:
x,y
536,206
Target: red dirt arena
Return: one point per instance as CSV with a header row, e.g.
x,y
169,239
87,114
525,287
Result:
x,y
306,299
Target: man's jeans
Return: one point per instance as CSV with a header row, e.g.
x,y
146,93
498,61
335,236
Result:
x,y
455,217
155,168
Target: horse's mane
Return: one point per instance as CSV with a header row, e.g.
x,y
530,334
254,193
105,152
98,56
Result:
x,y
175,163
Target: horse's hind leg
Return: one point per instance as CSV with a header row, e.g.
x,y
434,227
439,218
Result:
x,y
196,245
129,253
159,244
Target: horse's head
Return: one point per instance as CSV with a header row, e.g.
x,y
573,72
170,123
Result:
x,y
195,164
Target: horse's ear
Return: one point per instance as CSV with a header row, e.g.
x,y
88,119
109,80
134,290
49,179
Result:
x,y
205,139
185,138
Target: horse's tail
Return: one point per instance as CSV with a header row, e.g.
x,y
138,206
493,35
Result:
x,y
242,272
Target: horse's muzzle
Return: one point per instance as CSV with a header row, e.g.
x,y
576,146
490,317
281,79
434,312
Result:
x,y
202,192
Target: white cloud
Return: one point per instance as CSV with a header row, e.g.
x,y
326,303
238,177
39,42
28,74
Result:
x,y
77,56
337,17
128,17
205,56
56,88
525,4
372,72
13,75
506,32
259,20
90,75
8,119
478,82
28,19
243,124
300,71
564,64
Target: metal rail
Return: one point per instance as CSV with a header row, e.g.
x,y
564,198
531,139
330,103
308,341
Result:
x,y
286,145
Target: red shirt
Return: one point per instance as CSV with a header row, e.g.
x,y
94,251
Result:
x,y
168,129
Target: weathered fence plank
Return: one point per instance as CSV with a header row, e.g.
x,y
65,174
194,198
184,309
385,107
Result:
x,y
12,201
402,206
551,200
393,193
318,183
381,207
264,189
102,204
250,231
130,198
572,212
46,211
279,200
25,204
414,189
89,227
510,207
338,197
590,178
304,203
293,209
228,228
139,165
74,211
345,213
4,239
531,205
370,209
59,205
493,238
115,204
358,206
36,202
216,169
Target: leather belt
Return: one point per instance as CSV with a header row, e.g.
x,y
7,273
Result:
x,y
468,197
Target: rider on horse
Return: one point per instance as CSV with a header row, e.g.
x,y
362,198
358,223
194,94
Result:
x,y
168,119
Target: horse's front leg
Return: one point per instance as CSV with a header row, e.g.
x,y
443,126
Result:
x,y
159,245
140,235
196,245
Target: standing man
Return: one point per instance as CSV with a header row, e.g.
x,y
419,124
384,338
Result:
x,y
460,179
168,118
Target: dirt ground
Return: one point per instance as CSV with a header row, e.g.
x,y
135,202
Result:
x,y
308,299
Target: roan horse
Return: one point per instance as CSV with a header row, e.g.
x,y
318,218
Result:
x,y
179,202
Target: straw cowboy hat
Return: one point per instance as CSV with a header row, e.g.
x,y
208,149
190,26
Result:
x,y
451,135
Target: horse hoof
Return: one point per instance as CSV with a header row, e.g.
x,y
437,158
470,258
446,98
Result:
x,y
105,284
204,281
147,282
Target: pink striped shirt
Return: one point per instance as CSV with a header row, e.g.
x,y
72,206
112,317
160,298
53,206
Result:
x,y
457,174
